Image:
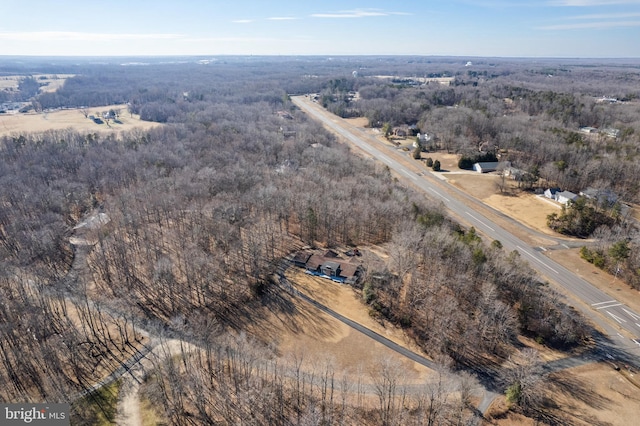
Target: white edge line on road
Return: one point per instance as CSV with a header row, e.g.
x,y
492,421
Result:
x,y
608,306
602,303
481,221
411,175
536,259
438,194
618,319
632,315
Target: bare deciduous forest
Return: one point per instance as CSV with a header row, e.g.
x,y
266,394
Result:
x,y
180,232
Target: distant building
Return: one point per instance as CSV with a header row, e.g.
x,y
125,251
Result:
x,y
565,196
551,193
588,130
491,166
514,173
401,131
606,100
330,265
601,195
611,132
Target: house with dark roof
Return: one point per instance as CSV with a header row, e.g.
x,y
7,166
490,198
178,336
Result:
x,y
551,193
301,258
330,265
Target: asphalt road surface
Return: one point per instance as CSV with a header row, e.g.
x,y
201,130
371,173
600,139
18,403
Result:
x,y
611,314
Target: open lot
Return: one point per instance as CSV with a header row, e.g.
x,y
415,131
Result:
x,y
71,119
317,337
593,394
525,207
49,82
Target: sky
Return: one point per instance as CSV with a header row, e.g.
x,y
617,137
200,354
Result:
x,y
497,28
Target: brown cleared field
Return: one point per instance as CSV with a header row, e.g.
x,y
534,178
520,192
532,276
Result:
x,y
593,394
50,82
317,337
525,207
70,119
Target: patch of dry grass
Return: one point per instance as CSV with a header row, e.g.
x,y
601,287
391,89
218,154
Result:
x,y
11,124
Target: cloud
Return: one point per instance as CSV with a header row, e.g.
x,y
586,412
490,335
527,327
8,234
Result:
x,y
281,18
606,16
592,25
233,40
242,21
587,3
81,36
356,13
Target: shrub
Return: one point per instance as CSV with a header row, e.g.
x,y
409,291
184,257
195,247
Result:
x,y
514,393
417,153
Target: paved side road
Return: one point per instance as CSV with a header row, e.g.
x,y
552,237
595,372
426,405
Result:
x,y
487,396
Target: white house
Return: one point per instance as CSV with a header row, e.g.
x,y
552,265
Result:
x,y
565,196
551,193
491,166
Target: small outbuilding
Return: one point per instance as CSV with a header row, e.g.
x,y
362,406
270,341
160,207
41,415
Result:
x,y
486,167
491,166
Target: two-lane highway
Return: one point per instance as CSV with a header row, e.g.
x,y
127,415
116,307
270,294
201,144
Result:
x,y
600,305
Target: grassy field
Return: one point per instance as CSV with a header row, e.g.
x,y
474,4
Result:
x,y
315,336
11,124
594,394
50,82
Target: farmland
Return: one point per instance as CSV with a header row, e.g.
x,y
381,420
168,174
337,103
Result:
x,y
18,123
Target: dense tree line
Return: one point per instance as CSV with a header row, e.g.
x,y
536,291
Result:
x,y
443,283
616,251
200,215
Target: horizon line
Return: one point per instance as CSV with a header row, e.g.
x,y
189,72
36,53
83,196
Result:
x,y
321,55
